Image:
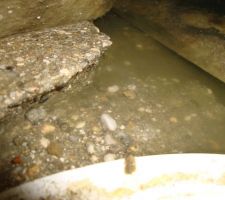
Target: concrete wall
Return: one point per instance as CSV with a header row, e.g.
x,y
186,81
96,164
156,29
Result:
x,y
25,15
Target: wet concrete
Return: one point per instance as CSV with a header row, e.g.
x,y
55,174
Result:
x,y
193,29
36,63
141,100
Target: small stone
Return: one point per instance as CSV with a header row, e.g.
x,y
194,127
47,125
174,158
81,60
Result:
x,y
36,115
124,138
94,159
91,148
27,126
173,119
75,117
108,122
109,157
158,130
33,171
129,94
73,138
139,46
187,118
176,80
127,63
122,127
44,142
131,87
209,91
141,109
17,141
19,61
96,129
55,148
109,140
148,110
154,119
113,89
80,125
47,128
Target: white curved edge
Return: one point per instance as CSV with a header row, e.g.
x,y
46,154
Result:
x,y
111,175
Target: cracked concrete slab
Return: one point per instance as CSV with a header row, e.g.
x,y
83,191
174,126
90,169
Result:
x,y
36,63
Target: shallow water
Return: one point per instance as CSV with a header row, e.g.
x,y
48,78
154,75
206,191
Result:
x,y
162,104
173,105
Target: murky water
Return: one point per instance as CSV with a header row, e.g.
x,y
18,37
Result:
x,y
166,104
161,103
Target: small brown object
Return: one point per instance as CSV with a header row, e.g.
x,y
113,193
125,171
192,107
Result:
x,y
130,164
33,170
17,160
55,149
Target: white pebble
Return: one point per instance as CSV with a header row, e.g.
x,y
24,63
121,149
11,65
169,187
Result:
x,y
108,122
19,59
209,91
113,88
94,158
132,87
109,157
44,142
122,127
91,148
80,125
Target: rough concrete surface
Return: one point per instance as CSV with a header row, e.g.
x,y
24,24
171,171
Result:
x,y
24,15
36,63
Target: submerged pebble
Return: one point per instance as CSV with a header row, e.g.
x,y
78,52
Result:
x,y
109,157
36,115
44,142
47,128
109,140
108,122
80,125
113,89
129,94
55,149
91,148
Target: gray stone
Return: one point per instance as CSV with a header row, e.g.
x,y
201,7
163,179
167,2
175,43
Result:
x,y
108,122
36,115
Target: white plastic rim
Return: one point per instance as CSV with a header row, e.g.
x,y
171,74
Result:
x,y
172,176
